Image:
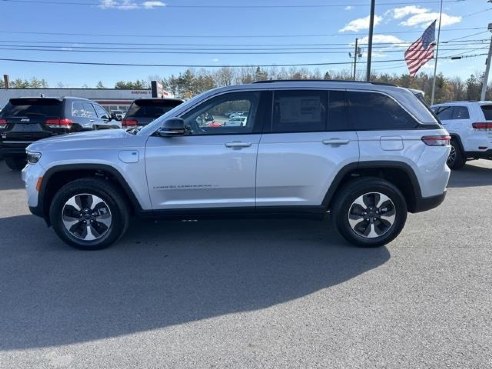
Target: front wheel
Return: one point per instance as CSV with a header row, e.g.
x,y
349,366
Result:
x,y
369,212
89,214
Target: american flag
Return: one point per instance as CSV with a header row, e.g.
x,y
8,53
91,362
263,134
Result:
x,y
422,50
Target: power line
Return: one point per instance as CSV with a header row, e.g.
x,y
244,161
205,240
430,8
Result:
x,y
212,6
182,46
196,51
204,65
351,35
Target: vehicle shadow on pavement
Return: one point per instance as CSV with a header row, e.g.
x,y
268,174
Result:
x,y
162,274
9,180
471,176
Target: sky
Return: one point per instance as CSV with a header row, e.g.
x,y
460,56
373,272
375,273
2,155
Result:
x,y
141,38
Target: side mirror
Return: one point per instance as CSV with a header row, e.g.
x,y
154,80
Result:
x,y
172,127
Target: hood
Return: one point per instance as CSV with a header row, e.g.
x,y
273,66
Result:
x,y
91,139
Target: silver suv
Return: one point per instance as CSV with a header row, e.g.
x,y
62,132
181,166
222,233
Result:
x,y
470,125
368,153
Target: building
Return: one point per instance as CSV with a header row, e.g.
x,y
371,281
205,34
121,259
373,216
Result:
x,y
110,98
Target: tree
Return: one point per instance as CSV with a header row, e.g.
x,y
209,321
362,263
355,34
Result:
x,y
100,85
128,85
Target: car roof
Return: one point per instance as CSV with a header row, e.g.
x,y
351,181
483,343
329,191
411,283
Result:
x,y
157,99
311,84
59,98
453,103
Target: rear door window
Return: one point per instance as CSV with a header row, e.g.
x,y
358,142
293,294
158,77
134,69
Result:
x,y
375,111
89,110
101,112
487,111
299,111
337,112
461,112
445,112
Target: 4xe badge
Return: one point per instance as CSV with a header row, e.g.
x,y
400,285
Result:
x,y
25,120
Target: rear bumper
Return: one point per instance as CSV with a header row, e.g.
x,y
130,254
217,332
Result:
x,y
13,148
427,203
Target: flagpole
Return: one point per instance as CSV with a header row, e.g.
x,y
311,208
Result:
x,y
437,55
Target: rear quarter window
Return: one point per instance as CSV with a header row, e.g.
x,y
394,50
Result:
x,y
487,111
375,111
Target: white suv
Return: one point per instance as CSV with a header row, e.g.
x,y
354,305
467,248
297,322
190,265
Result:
x,y
470,125
368,153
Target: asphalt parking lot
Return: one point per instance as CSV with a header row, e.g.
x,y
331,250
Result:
x,y
251,293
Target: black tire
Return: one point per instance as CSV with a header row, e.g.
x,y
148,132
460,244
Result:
x,y
375,220
15,163
89,214
456,159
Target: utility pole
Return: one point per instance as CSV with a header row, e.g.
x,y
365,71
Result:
x,y
369,45
357,54
487,68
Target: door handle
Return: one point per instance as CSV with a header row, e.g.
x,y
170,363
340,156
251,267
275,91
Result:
x,y
238,144
92,120
335,141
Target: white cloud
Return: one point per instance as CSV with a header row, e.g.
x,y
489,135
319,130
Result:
x,y
425,19
349,7
385,39
420,17
360,24
153,4
130,4
402,12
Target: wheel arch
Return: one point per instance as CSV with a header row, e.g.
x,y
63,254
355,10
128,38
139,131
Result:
x,y
58,176
399,174
457,138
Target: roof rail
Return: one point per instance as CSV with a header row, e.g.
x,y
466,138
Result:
x,y
324,80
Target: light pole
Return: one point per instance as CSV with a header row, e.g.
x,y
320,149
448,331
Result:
x,y
487,68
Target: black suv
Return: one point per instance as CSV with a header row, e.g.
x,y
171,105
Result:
x,y
144,111
27,119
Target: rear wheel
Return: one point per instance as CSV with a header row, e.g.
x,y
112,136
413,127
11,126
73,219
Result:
x,y
456,159
16,163
369,212
89,214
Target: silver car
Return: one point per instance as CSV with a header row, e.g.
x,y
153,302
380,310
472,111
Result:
x,y
364,153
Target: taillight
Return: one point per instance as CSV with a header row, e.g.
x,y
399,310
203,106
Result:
x,y
3,123
438,140
129,123
482,125
59,123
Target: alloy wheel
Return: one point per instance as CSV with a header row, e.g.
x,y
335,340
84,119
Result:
x,y
371,215
452,156
86,217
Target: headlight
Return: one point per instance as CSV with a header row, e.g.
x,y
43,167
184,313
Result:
x,y
33,157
